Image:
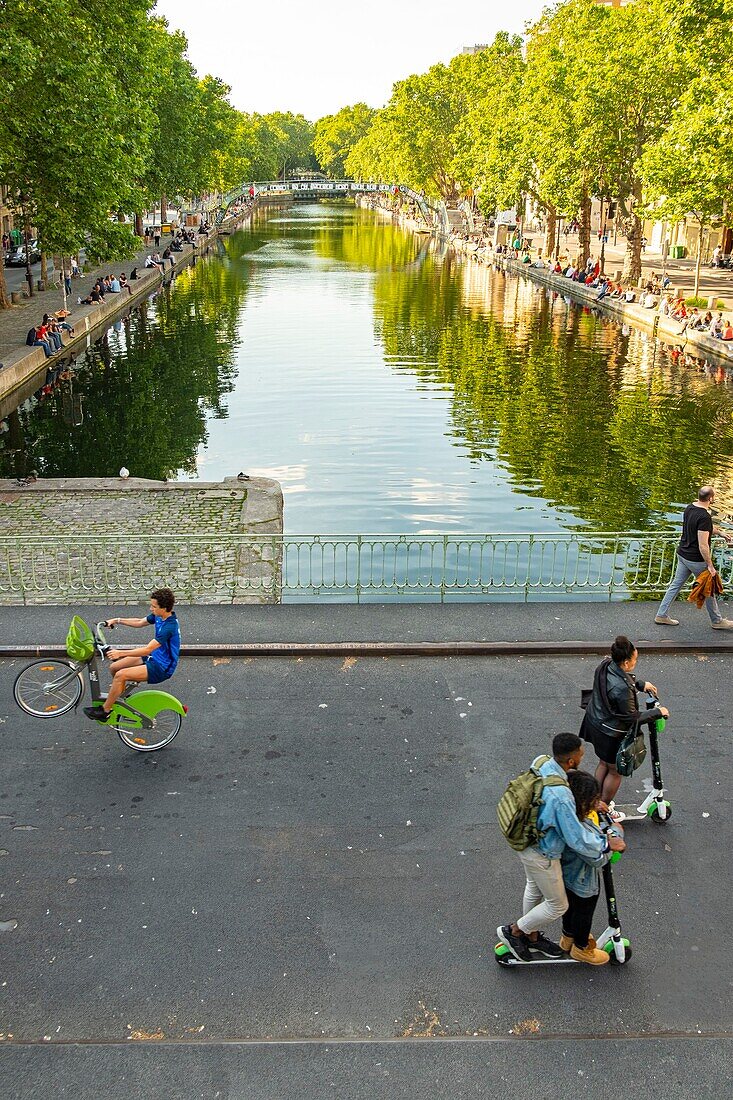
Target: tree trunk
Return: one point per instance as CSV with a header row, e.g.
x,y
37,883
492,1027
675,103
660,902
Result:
x,y
4,296
584,231
44,268
633,230
139,230
163,208
698,259
550,231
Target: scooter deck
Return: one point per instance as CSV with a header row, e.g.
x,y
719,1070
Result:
x,y
504,957
631,813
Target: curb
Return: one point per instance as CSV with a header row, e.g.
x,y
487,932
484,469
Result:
x,y
400,649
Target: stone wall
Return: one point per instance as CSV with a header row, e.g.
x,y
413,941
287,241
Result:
x,y
76,540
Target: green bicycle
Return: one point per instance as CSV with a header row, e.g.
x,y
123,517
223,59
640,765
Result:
x,y
145,720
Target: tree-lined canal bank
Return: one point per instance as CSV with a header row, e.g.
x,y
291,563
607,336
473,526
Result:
x,y
388,388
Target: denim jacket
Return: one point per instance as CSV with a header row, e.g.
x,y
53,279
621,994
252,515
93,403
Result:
x,y
581,874
558,820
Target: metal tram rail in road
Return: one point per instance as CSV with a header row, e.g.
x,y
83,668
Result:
x,y
229,568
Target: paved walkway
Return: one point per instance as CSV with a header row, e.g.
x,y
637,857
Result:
x,y
299,896
713,281
308,622
15,322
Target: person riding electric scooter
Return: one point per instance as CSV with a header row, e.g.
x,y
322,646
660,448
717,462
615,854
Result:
x,y
612,709
557,827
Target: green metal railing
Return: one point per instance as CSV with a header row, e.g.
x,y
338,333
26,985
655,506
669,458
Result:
x,y
212,568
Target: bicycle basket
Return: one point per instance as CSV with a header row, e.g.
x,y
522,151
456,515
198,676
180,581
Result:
x,y
79,640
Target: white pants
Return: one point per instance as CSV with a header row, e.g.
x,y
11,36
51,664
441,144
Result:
x,y
544,893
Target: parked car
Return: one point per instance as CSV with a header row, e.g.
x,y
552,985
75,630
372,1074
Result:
x,y
16,258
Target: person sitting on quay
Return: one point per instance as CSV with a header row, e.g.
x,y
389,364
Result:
x,y
602,285
592,275
33,340
648,300
113,284
124,285
716,326
154,261
93,298
629,295
727,333
571,271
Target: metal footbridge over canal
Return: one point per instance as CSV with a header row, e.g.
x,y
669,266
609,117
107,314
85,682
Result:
x,y
434,214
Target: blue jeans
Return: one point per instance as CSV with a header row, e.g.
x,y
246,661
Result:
x,y
685,569
44,345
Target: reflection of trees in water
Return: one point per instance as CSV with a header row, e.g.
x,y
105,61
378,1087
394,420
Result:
x,y
146,388
558,397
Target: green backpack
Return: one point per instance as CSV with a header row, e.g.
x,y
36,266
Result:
x,y
520,804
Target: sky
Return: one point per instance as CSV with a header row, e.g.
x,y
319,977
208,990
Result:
x,y
317,56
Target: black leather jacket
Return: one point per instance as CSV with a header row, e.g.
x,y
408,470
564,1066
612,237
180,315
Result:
x,y
623,712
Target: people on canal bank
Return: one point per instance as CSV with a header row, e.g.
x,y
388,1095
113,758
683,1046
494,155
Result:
x,y
612,710
694,557
545,898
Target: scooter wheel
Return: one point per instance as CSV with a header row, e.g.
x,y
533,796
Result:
x,y
654,813
612,960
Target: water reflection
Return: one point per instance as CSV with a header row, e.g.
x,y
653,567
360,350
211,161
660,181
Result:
x,y
389,388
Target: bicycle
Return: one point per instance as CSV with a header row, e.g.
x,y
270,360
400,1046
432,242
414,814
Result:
x,y
49,688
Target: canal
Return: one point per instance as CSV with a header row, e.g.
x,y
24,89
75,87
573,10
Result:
x,y
388,387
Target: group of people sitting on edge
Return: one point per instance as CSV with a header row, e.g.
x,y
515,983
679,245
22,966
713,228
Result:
x,y
692,318
49,334
110,284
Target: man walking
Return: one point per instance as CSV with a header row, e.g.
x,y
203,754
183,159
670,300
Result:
x,y
544,893
694,557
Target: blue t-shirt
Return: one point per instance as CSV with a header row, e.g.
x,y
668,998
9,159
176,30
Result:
x,y
168,637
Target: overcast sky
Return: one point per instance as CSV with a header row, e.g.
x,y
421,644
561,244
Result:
x,y
319,55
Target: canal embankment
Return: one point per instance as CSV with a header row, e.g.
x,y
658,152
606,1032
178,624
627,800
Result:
x,y
23,368
665,328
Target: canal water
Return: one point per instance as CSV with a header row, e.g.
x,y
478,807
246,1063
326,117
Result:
x,y
389,388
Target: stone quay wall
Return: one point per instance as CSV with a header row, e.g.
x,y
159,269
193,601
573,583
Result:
x,y
91,540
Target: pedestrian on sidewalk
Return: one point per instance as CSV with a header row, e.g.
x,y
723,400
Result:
x,y
694,557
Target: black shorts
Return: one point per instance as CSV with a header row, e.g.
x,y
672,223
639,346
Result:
x,y
605,745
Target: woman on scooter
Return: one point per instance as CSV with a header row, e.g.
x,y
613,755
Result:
x,y
612,710
581,877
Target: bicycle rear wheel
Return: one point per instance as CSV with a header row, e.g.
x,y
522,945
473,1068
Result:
x,y
46,689
166,724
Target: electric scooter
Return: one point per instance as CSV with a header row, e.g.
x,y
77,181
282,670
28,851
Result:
x,y
655,806
610,940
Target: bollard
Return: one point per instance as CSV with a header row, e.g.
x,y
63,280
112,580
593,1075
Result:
x,y
16,297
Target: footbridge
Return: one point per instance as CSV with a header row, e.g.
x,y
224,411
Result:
x,y
433,213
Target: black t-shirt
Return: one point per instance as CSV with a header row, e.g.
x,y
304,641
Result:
x,y
694,520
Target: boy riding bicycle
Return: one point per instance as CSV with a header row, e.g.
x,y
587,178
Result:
x,y
150,664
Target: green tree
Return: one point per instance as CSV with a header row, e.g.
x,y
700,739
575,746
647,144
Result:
x,y
74,138
685,173
334,136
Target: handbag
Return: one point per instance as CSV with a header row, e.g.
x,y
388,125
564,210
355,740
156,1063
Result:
x,y
631,752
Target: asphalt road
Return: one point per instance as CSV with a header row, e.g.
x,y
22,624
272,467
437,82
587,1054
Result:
x,y
299,896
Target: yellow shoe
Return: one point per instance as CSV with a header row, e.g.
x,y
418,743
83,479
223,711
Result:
x,y
566,942
589,955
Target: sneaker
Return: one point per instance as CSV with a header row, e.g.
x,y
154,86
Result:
x,y
666,620
724,624
617,816
545,946
589,955
97,714
516,944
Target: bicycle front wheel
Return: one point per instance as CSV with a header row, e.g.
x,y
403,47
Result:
x,y
166,725
48,688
